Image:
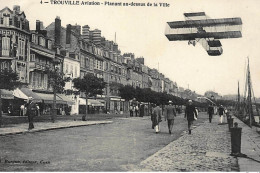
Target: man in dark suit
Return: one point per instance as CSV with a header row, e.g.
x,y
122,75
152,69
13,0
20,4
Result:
x,y
210,112
170,114
31,112
190,112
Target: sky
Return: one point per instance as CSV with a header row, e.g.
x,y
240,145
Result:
x,y
141,30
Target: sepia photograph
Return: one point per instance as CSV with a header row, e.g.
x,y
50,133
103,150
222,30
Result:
x,y
129,86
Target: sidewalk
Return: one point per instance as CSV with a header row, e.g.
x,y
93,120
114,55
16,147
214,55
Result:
x,y
10,120
250,145
208,149
44,126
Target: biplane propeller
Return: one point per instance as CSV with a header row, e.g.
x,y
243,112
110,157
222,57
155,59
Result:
x,y
198,27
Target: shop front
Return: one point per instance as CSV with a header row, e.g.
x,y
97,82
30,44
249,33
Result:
x,y
7,101
94,106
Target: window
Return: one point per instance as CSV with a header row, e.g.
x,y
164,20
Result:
x,y
71,70
76,72
66,69
10,21
5,46
32,57
42,41
82,61
49,44
96,64
21,48
91,64
86,63
100,65
3,65
33,38
45,84
6,21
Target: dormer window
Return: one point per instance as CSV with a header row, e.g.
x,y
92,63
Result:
x,y
49,44
6,21
42,41
10,21
33,38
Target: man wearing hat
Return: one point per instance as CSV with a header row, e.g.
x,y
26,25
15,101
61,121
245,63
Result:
x,y
190,112
31,112
170,114
221,112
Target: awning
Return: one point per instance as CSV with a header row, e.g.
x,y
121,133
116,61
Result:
x,y
25,93
67,99
91,102
48,98
117,99
43,53
6,94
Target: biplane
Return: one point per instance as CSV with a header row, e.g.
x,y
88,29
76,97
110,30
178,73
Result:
x,y
198,27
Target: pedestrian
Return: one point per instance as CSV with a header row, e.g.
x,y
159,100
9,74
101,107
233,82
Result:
x,y
37,110
190,114
157,118
136,110
221,112
210,112
170,114
21,110
10,110
131,110
31,112
141,112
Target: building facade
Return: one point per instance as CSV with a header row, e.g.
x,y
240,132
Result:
x,y
75,51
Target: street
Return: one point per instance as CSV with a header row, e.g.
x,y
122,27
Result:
x,y
112,147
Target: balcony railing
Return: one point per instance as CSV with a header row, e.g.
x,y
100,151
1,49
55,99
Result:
x,y
39,66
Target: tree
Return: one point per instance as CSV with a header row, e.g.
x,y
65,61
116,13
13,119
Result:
x,y
9,81
127,92
57,81
91,86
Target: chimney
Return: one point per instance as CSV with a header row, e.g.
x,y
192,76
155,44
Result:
x,y
140,60
111,45
68,34
57,31
85,32
38,25
76,29
115,47
103,41
16,9
97,37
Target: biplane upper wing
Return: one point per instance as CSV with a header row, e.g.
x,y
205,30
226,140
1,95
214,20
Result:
x,y
199,27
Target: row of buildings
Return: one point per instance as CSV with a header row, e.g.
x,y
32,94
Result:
x,y
75,50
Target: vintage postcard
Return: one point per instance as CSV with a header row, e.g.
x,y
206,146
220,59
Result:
x,y
129,85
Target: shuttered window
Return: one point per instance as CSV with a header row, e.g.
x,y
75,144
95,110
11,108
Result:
x,y
5,46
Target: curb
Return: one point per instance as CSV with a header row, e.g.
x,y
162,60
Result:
x,y
54,128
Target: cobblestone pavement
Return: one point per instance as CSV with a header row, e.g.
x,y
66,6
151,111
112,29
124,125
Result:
x,y
208,148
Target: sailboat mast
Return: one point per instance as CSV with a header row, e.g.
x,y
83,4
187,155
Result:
x,y
250,111
238,98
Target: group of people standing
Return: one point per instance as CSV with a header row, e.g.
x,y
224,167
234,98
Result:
x,y
134,109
